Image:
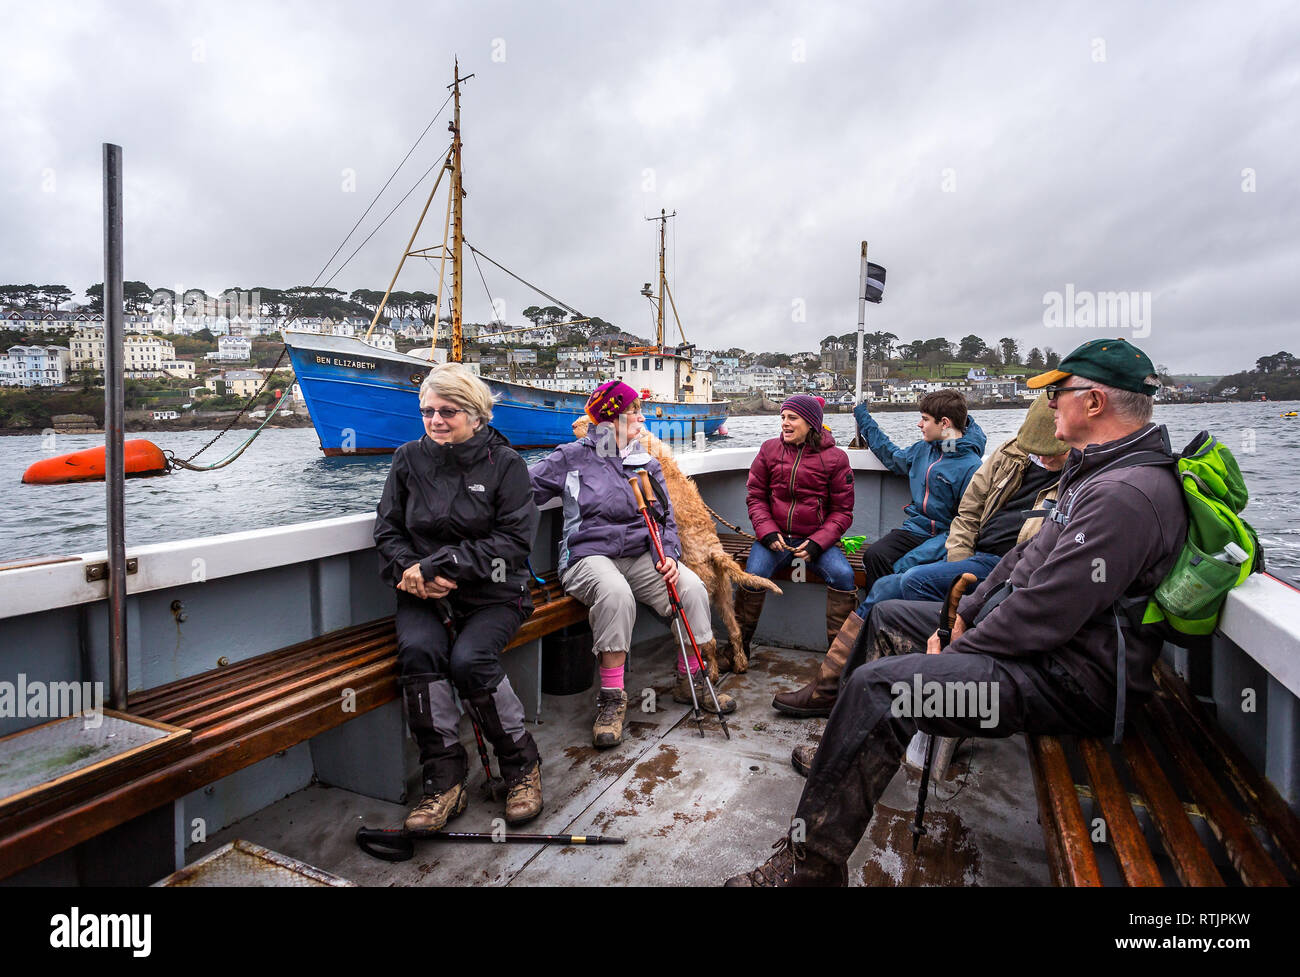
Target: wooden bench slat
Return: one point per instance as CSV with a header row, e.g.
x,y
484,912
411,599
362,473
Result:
x,y
1212,743
1191,861
151,699
1046,820
210,711
1243,848
1078,862
1136,862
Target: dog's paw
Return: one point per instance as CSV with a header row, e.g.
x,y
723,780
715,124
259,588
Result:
x,y
740,662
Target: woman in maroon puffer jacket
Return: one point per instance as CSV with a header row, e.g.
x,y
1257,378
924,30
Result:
x,y
800,497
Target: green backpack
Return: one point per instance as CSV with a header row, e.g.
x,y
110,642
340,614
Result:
x,y
1221,551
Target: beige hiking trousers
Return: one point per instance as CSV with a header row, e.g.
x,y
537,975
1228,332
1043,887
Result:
x,y
611,588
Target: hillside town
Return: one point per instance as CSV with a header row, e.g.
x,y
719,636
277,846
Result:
x,y
210,356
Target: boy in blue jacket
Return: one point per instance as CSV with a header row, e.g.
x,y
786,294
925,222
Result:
x,y
938,468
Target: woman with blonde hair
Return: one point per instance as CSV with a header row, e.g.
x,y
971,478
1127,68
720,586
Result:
x,y
454,528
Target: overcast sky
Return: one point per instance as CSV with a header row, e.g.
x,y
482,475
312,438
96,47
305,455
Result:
x,y
991,154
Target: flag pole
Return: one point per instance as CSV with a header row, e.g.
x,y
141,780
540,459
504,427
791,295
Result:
x,y
862,324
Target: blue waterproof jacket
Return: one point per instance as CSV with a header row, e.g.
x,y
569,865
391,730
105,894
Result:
x,y
938,473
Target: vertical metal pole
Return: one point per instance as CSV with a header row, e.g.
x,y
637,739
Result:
x,y
862,320
857,441
114,408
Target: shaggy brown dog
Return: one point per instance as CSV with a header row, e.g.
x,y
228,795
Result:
x,y
701,549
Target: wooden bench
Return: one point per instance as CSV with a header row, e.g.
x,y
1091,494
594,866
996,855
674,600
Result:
x,y
738,547
1175,764
239,715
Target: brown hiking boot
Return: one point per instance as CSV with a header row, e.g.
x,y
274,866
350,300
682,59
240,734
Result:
x,y
749,605
839,605
524,801
792,865
801,758
682,693
611,710
817,698
435,810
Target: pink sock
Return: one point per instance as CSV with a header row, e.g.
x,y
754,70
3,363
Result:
x,y
695,666
611,678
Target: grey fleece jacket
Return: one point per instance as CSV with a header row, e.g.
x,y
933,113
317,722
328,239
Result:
x,y
1126,529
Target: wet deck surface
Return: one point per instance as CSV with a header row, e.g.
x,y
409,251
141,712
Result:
x,y
693,810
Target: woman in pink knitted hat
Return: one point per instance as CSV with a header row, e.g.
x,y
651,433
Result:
x,y
800,497
606,558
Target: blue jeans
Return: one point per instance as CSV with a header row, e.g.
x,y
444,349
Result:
x,y
930,581
832,565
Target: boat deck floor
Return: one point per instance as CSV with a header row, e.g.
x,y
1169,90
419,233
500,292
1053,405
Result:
x,y
694,810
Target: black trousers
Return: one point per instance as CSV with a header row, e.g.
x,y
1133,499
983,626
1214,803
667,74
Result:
x,y
879,710
880,556
431,665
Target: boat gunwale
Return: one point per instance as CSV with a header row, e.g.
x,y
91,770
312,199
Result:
x,y
1261,616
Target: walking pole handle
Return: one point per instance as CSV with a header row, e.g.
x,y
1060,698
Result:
x,y
636,491
647,487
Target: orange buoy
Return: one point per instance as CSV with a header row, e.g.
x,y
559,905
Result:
x,y
143,458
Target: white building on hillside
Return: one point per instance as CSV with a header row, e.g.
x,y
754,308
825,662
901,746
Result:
x,y
142,356
232,349
34,366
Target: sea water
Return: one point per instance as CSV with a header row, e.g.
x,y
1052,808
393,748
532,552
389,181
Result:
x,y
283,478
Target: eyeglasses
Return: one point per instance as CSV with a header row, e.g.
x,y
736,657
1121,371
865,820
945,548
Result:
x,y
1054,392
446,413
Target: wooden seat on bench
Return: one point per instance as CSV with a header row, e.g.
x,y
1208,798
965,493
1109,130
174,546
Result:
x,y
241,714
738,547
1174,764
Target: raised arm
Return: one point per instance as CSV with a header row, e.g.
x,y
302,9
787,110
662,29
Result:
x,y
897,460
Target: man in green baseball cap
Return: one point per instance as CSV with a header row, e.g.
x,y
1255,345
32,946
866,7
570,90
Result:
x,y
1111,385
1114,362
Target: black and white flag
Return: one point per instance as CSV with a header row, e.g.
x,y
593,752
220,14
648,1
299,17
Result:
x,y
875,283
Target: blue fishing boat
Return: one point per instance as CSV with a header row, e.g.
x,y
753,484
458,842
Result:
x,y
365,400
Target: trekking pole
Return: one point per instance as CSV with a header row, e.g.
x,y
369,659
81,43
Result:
x,y
947,617
697,715
493,787
673,597
398,844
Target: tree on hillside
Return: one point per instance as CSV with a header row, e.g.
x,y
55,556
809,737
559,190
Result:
x,y
1035,360
56,295
1010,351
912,350
971,348
1051,358
1280,362
941,346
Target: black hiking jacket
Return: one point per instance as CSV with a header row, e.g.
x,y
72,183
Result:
x,y
462,511
1125,531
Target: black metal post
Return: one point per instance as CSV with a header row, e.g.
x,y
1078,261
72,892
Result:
x,y
114,409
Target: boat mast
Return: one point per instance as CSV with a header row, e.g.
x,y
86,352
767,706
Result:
x,y
457,228
663,277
